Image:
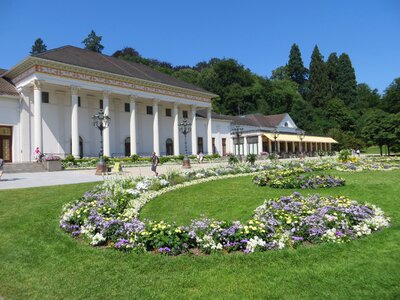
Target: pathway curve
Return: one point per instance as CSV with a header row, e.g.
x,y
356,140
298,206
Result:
x,y
26,180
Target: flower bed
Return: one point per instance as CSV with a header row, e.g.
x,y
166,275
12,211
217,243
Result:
x,y
278,223
108,215
299,181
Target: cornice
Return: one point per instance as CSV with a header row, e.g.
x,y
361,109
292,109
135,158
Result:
x,y
35,64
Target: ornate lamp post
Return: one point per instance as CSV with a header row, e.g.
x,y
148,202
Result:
x,y
275,134
301,134
185,127
101,121
237,132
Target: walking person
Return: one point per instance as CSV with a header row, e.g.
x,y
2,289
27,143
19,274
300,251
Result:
x,y
154,163
37,154
200,157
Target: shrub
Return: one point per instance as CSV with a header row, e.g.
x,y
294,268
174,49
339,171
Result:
x,y
135,157
69,158
251,158
232,160
344,155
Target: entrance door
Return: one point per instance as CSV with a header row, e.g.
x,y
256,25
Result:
x,y
169,145
6,143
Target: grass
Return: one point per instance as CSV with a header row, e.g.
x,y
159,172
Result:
x,y
375,150
39,261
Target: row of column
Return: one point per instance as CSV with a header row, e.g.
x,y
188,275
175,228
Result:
x,y
38,138
303,146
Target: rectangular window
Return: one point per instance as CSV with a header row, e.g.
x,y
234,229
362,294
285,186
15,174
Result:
x,y
168,112
127,107
45,97
79,101
184,114
213,146
101,103
200,145
149,110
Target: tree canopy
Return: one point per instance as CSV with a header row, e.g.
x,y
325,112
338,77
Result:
x,y
93,42
38,47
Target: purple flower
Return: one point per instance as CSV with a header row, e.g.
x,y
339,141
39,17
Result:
x,y
164,250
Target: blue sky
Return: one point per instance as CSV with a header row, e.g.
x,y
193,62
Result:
x,y
258,34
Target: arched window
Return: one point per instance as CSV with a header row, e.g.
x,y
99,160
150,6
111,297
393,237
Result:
x,y
169,145
128,146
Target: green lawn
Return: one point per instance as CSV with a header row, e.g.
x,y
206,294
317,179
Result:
x,y
39,261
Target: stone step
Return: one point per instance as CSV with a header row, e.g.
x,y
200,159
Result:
x,y
27,167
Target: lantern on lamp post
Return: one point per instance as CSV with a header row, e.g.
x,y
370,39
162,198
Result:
x,y
301,134
237,131
275,134
101,122
185,127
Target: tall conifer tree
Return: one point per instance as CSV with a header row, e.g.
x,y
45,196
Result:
x,y
332,69
319,82
92,42
295,68
38,47
346,80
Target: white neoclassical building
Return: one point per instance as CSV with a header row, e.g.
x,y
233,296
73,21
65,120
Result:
x,y
48,101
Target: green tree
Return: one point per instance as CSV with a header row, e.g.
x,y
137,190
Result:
x,y
391,97
346,80
282,95
318,79
295,67
366,97
280,73
127,51
92,42
332,70
378,128
38,47
345,139
338,115
187,74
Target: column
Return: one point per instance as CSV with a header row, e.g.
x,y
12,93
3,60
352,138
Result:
x,y
176,130
278,143
260,144
74,122
209,132
37,104
269,146
132,125
232,145
194,131
305,147
294,147
156,136
106,131
245,150
286,147
330,146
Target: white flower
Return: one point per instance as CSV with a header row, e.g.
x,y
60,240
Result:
x,y
164,182
255,242
97,239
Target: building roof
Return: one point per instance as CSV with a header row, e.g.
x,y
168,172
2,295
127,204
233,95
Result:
x,y
256,120
7,88
88,59
2,71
